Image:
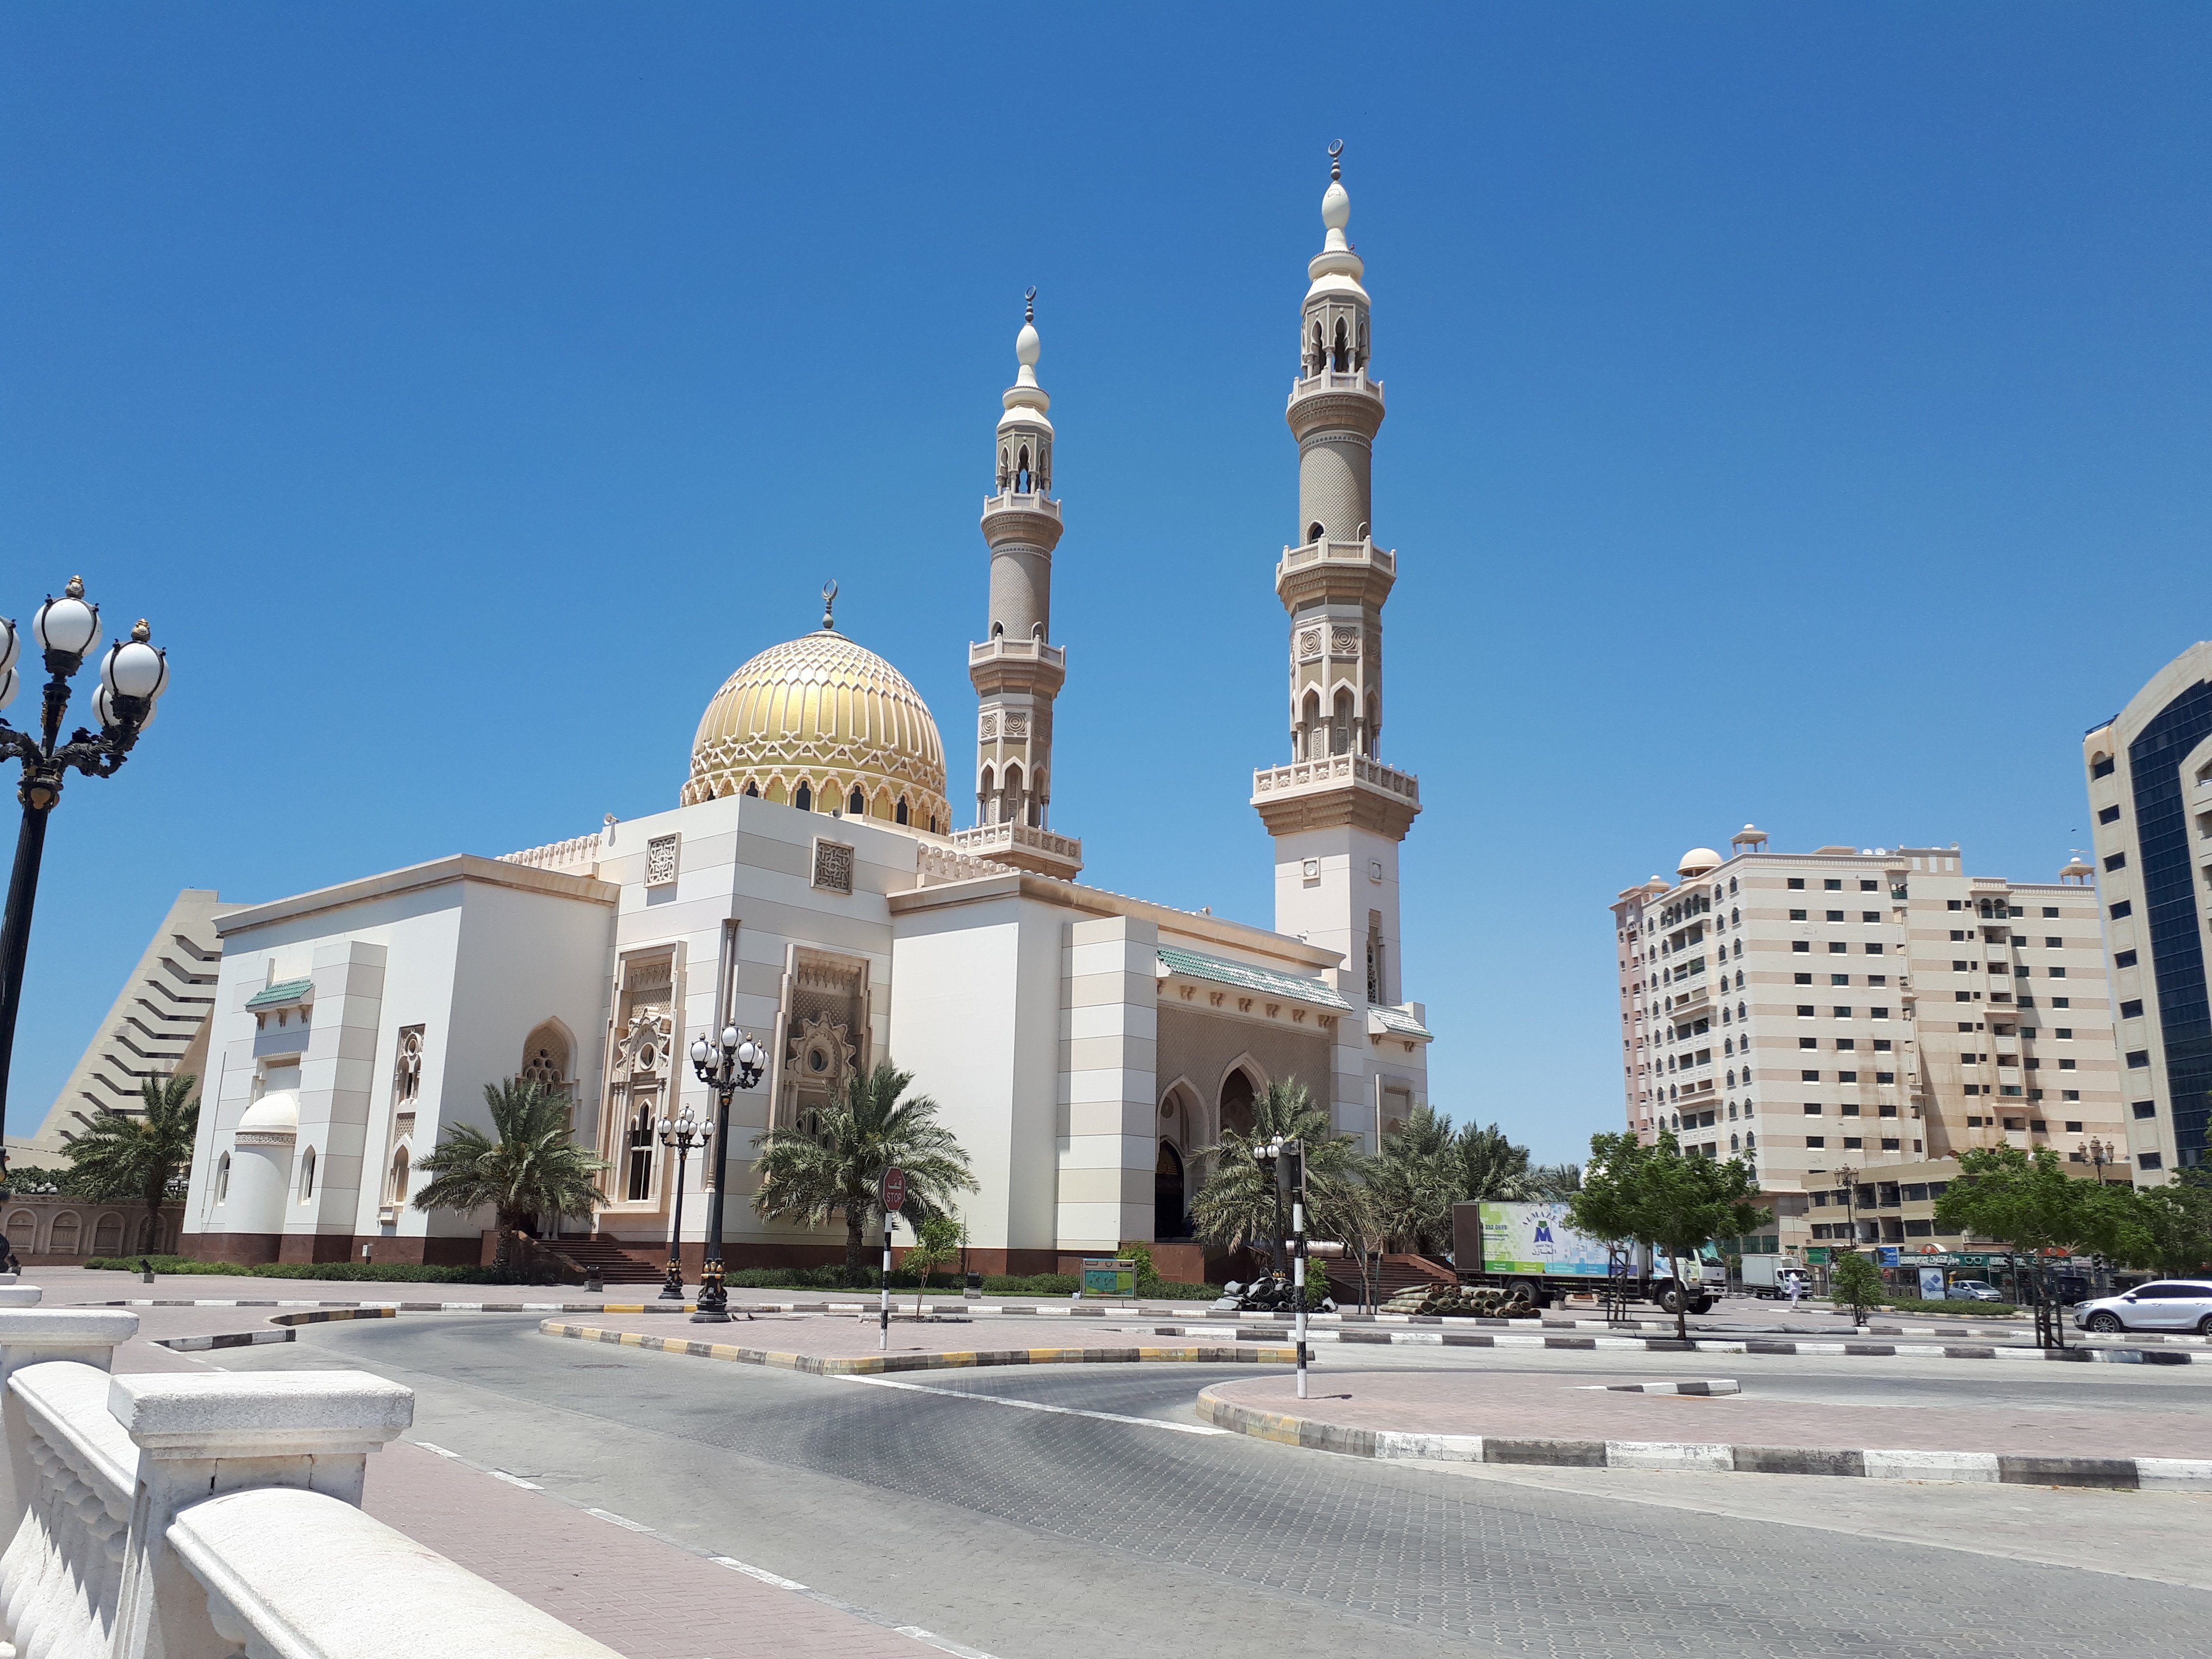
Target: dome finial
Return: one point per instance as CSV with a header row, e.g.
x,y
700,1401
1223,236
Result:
x,y
1336,201
1336,160
1029,305
1027,347
829,605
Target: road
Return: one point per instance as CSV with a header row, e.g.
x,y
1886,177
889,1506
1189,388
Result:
x,y
1027,1533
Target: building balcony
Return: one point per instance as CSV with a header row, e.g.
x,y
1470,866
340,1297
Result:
x,y
1038,851
1336,789
1005,650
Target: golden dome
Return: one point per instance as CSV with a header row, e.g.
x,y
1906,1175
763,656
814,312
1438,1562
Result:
x,y
829,717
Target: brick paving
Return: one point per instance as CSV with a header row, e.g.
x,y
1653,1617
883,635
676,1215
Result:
x,y
1519,1407
637,1593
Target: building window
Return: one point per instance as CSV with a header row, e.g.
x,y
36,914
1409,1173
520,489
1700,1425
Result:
x,y
1808,1043
2116,861
2101,767
2138,1058
1803,979
1833,884
1869,887
2132,1009
1852,1143
2056,973
222,1169
1802,947
1877,1013
308,1175
1812,1108
1796,884
1808,1077
2142,1109
2124,959
2148,1161
1804,1010
1815,1143
1796,915
2122,910
1835,915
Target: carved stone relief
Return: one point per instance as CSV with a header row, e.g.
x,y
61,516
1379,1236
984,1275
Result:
x,y
833,866
660,860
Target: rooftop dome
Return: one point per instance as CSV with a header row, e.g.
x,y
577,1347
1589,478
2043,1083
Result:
x,y
277,1113
825,716
1697,861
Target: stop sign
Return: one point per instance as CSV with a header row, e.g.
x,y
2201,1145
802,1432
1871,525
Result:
x,y
894,1191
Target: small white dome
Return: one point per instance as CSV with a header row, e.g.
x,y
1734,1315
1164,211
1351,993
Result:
x,y
1697,861
1026,346
273,1114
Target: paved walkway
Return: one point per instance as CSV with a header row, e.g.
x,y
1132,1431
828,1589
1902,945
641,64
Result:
x,y
1502,1405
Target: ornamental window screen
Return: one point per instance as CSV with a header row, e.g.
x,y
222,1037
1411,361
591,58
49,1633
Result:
x,y
660,860
545,1059
833,866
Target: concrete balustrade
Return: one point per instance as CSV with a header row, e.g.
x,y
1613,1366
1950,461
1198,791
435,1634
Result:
x,y
166,1516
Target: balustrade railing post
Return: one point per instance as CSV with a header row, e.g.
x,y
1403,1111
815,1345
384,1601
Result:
x,y
30,1337
199,1437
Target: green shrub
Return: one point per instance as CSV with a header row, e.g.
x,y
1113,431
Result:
x,y
1979,1309
396,1272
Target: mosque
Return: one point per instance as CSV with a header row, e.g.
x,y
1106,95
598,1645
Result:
x,y
811,888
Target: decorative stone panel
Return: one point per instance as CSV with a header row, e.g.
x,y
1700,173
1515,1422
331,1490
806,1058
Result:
x,y
660,860
833,866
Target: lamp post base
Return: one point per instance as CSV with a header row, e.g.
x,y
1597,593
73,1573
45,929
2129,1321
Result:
x,y
714,1305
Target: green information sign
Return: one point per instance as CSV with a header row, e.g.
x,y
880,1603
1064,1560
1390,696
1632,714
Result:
x,y
1107,1276
1817,1256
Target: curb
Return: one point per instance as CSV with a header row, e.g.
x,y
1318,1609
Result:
x,y
1704,1391
234,1339
1987,1468
324,1316
1454,1339
875,1365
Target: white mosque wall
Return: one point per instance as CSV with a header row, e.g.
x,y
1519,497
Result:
x,y
1108,1144
475,953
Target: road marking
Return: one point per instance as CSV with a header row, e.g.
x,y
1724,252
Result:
x,y
1037,1405
761,1573
620,1520
441,1450
937,1642
515,1480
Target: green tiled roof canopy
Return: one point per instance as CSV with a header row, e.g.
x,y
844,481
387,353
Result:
x,y
1243,975
284,992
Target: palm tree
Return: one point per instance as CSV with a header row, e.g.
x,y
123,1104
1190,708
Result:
x,y
139,1154
1493,1169
1418,1178
534,1168
831,1162
1237,1205
1556,1182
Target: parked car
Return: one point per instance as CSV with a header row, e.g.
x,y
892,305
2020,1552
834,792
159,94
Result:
x,y
1973,1290
2164,1304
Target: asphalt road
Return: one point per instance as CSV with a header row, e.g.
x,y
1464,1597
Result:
x,y
1027,1533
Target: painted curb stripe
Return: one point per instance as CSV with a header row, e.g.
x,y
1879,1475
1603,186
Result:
x,y
1994,1469
1840,1347
324,1316
877,1365
231,1340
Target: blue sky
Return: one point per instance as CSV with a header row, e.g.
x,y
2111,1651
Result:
x,y
1796,413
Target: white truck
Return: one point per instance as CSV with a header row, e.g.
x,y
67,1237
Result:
x,y
1531,1249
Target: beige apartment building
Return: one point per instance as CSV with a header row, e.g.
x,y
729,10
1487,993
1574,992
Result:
x,y
1875,1010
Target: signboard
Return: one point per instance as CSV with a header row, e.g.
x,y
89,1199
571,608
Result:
x,y
1973,1261
1887,1254
1107,1276
1817,1255
1535,1239
1931,1285
893,1193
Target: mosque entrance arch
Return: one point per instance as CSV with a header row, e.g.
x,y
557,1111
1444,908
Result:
x,y
1238,1090
1169,1219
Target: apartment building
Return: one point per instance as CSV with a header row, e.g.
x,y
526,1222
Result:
x,y
1872,1010
2150,774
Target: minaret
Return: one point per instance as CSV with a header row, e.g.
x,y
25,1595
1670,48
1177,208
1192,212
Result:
x,y
1017,670
1336,811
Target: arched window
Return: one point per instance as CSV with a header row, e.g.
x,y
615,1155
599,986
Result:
x,y
1339,737
67,1230
308,1175
400,1170
108,1237
1340,359
639,1184
899,812
545,1058
1314,531
1005,473
223,1179
1237,1094
855,804
1168,1220
1022,472
752,789
803,798
1010,809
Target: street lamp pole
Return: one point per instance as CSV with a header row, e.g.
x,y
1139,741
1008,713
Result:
x,y
683,1132
132,676
734,1063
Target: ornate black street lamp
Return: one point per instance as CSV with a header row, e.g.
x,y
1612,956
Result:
x,y
132,676
683,1132
736,1062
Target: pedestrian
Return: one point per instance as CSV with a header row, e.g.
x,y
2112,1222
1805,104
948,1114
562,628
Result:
x,y
1796,1282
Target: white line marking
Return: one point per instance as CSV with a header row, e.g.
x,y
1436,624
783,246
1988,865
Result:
x,y
441,1450
939,1642
620,1520
761,1573
1037,1405
515,1480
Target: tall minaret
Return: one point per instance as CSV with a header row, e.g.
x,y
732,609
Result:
x,y
1336,811
1018,672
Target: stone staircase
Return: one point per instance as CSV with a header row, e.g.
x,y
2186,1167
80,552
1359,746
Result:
x,y
615,1264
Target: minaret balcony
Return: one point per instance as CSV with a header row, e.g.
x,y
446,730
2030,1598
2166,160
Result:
x,y
1334,398
1333,380
1336,789
1013,500
1030,520
1006,664
1038,851
1341,570
1003,650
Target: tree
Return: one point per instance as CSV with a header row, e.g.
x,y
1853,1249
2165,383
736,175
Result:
x,y
138,1154
2169,1229
533,1168
1492,1168
2028,1201
937,1244
1237,1204
1555,1183
1415,1180
1852,1279
831,1162
1657,1198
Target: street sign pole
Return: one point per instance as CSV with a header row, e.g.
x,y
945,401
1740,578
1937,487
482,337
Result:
x,y
1295,1153
891,1194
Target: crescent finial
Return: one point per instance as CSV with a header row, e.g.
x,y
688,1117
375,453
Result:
x,y
1029,305
828,604
1336,160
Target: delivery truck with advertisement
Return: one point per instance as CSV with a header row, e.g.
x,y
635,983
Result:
x,y
1529,1248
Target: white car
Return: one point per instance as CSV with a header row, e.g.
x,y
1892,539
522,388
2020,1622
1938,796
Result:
x,y
2164,1304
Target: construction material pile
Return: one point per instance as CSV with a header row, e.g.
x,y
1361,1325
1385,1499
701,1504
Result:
x,y
1466,1300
